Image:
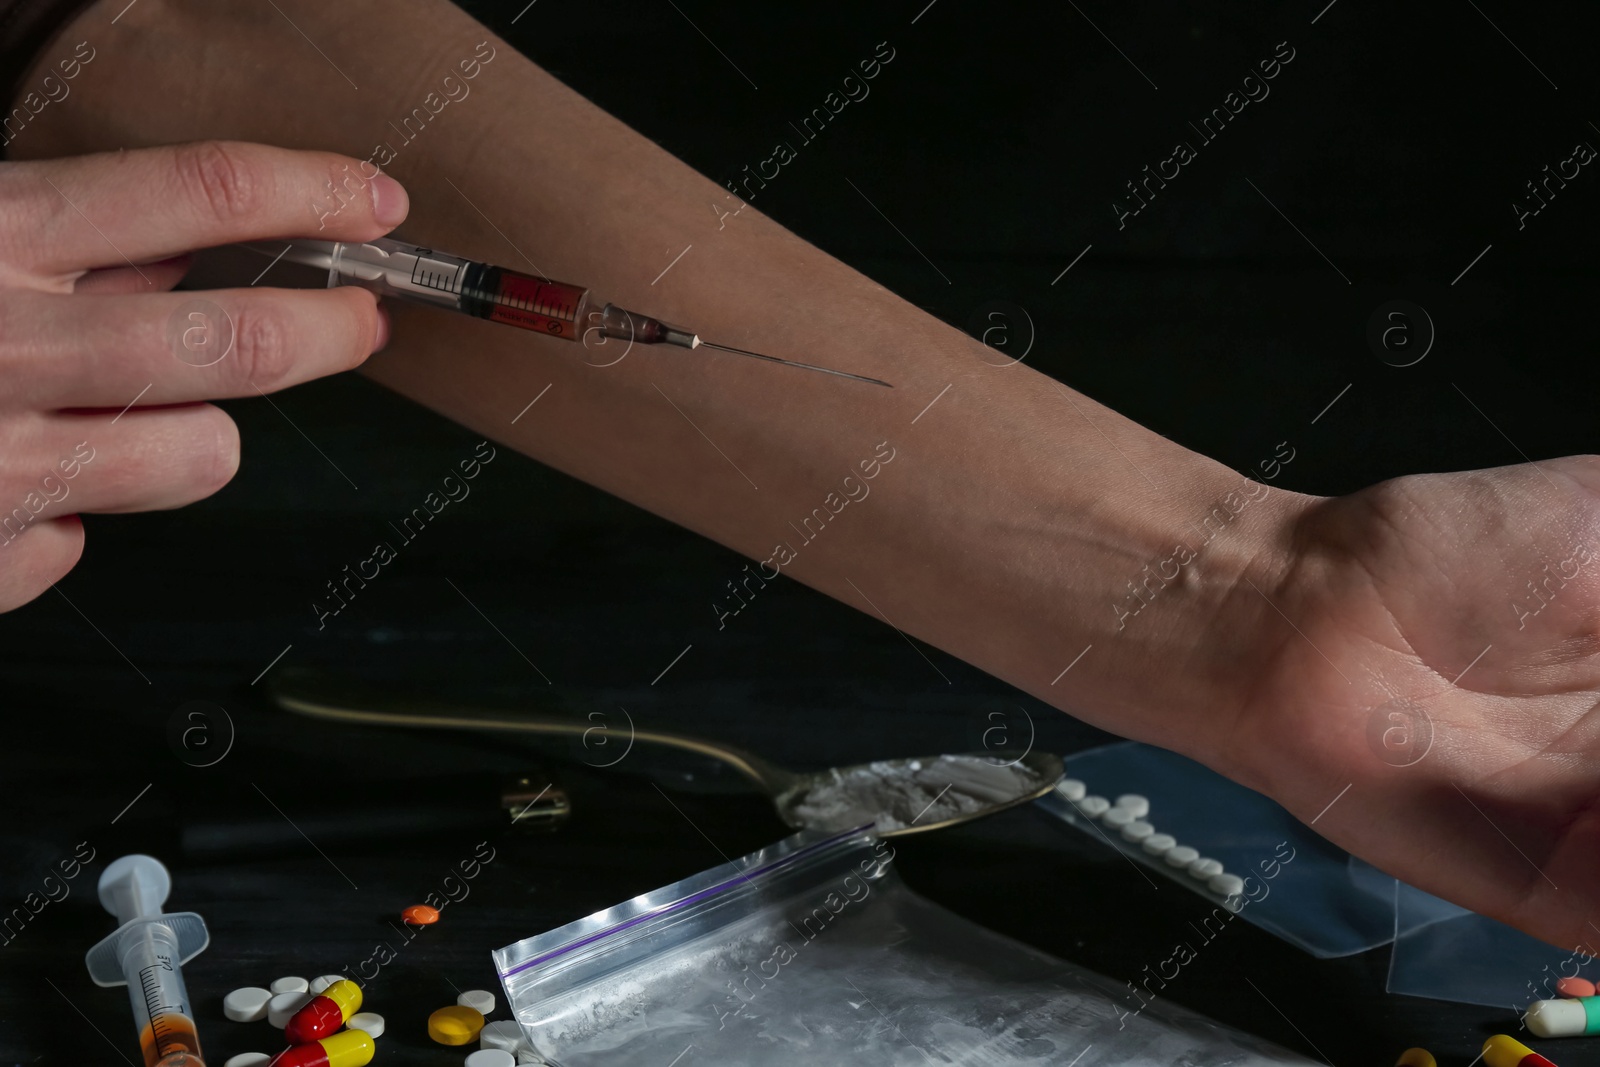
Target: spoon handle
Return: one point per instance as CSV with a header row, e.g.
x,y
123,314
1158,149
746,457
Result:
x,y
319,696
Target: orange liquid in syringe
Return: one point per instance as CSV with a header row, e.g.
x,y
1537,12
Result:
x,y
170,1041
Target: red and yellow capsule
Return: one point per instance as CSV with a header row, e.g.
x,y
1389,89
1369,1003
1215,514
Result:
x,y
1502,1050
352,1048
325,1014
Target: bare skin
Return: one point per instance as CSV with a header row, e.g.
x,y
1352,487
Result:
x,y
1273,629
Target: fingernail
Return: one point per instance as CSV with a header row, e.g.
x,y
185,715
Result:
x,y
390,204
383,329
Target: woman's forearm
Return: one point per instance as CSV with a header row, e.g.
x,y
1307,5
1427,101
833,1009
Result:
x,y
988,510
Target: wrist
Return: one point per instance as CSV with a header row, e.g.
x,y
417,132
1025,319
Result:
x,y
1175,599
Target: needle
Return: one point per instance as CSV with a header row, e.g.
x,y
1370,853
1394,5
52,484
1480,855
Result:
x,y
792,363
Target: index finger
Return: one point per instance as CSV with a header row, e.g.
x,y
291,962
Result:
x,y
122,208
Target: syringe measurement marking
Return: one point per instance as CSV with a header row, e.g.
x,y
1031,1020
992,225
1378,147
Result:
x,y
543,303
556,308
429,273
153,1005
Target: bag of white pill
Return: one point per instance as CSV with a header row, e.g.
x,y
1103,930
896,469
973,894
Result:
x,y
1290,880
813,951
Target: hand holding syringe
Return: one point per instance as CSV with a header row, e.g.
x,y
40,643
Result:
x,y
145,954
424,276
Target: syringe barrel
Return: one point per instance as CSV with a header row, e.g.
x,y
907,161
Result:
x,y
408,272
422,275
555,309
149,953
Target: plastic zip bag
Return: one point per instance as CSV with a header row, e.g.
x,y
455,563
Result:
x,y
813,951
1323,900
1298,885
1449,953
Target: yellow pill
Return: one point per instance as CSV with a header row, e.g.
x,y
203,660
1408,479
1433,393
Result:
x,y
1502,1050
455,1025
1416,1057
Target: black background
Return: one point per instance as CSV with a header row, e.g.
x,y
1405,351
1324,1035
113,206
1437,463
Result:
x,y
996,141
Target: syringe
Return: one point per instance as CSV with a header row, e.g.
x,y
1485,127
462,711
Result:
x,y
556,309
145,954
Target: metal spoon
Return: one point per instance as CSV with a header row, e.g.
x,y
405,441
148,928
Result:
x,y
902,796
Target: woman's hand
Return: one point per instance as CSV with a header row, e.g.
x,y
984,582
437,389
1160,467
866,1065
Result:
x,y
1446,671
102,367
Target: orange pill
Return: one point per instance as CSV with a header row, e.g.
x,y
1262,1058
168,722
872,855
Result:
x,y
420,915
1574,987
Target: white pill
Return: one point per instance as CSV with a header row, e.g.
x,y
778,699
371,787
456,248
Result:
x,y
248,1059
1182,855
1137,830
1140,806
479,1000
247,1005
369,1021
1227,885
281,1008
491,1057
527,1055
1117,818
290,985
320,985
505,1035
1093,806
1204,868
1556,1018
1071,789
1159,844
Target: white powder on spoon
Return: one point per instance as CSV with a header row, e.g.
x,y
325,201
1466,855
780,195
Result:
x,y
900,793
